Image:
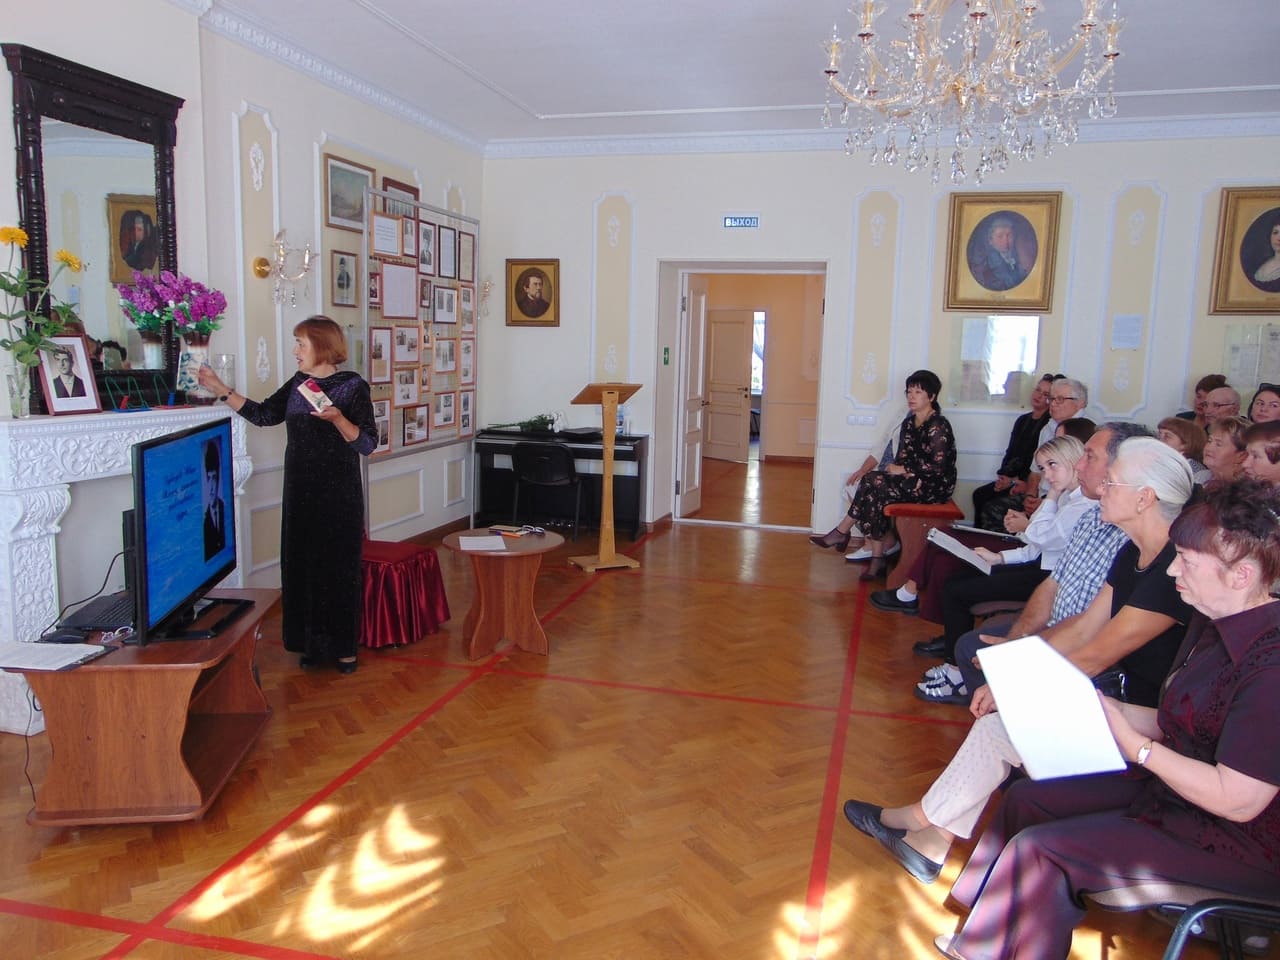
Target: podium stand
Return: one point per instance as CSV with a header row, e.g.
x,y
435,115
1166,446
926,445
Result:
x,y
608,395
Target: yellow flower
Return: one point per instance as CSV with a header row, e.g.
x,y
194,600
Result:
x,y
69,260
14,235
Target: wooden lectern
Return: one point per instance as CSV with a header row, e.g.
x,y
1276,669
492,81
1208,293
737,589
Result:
x,y
608,395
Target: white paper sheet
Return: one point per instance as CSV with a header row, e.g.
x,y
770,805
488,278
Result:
x,y
955,547
47,656
482,544
1050,710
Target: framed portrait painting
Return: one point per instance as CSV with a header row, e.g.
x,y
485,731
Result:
x,y
344,185
67,377
1246,264
343,270
533,293
135,240
1001,251
426,248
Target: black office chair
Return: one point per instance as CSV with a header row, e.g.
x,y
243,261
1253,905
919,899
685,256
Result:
x,y
545,465
1203,909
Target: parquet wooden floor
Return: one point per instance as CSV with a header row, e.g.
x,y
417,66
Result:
x,y
665,784
771,492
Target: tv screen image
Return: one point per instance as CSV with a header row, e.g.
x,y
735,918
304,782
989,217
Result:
x,y
184,512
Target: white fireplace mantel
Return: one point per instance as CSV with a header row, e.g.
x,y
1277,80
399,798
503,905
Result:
x,y
40,458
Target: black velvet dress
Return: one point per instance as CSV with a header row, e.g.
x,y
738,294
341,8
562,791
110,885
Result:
x,y
322,522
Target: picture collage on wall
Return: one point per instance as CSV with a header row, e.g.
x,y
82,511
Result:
x,y
418,268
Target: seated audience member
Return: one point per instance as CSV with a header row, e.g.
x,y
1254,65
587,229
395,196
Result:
x,y
1075,582
1206,383
1067,397
885,448
1136,623
1224,450
1081,428
1222,403
1188,439
954,586
1201,803
924,471
1265,405
1262,451
1024,438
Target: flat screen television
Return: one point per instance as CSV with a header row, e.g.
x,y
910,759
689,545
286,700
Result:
x,y
184,530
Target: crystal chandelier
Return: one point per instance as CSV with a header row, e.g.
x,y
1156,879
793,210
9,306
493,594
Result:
x,y
985,69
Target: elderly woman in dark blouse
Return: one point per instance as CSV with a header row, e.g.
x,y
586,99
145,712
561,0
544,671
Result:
x,y
924,471
1200,804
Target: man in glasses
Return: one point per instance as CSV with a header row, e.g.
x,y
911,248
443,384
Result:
x,y
1222,403
1067,397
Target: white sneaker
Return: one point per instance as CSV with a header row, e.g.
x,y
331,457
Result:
x,y
864,553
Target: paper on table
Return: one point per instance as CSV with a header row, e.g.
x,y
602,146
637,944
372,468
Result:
x,y
482,544
954,546
16,655
1050,710
970,528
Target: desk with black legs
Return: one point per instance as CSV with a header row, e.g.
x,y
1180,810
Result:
x,y
148,734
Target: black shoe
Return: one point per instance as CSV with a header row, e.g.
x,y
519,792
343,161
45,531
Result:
x,y
888,600
347,666
833,538
933,647
866,817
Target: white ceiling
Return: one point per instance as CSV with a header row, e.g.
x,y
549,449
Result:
x,y
519,78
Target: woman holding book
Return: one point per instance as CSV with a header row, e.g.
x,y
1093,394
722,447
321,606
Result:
x,y
322,517
1200,803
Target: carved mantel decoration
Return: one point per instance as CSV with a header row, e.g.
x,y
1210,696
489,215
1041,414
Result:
x,y
39,459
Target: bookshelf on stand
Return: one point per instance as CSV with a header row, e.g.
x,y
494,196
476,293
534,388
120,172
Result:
x,y
608,395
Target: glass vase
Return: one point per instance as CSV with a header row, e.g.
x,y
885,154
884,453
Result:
x,y
195,352
18,381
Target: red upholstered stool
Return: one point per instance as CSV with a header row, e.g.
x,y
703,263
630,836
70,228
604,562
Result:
x,y
913,522
403,593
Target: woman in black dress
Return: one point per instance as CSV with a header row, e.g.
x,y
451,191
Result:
x,y
322,523
924,471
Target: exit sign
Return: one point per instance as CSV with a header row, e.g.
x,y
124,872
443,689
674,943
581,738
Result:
x,y
751,223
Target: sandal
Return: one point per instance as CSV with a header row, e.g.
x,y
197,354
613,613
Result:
x,y
876,569
943,691
832,538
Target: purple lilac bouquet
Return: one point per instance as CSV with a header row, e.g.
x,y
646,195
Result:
x,y
151,302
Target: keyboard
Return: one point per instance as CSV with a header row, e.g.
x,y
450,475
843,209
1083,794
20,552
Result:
x,y
103,613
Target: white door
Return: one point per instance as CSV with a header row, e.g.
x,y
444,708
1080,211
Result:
x,y
692,395
728,426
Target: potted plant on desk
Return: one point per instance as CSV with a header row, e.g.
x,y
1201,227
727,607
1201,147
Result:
x,y
28,325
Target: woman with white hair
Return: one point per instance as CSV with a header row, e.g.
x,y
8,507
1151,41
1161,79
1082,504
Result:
x,y
1126,640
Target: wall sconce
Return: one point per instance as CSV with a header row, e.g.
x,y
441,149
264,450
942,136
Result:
x,y
278,267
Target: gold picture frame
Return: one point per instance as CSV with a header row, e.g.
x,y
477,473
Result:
x,y
345,182
135,237
533,293
1001,252
1246,261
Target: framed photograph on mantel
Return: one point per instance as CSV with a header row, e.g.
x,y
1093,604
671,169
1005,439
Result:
x,y
67,377
533,293
1001,252
1246,264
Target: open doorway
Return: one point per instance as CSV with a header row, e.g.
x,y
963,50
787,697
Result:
x,y
750,349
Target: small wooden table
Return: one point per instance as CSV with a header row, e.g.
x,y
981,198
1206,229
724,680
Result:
x,y
503,604
147,734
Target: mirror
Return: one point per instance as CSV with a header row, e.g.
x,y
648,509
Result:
x,y
93,148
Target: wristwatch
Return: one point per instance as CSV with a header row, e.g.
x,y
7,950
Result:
x,y
1144,752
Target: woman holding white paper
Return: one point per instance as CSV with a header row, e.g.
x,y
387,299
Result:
x,y
1204,807
1135,623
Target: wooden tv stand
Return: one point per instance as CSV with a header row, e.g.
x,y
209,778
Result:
x,y
153,733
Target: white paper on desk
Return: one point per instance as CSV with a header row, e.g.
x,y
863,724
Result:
x,y
1050,710
482,544
16,655
955,547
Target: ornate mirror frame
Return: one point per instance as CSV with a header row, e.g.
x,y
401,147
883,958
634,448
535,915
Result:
x,y
49,86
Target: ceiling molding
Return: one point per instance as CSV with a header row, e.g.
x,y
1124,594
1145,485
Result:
x,y
791,141
273,47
